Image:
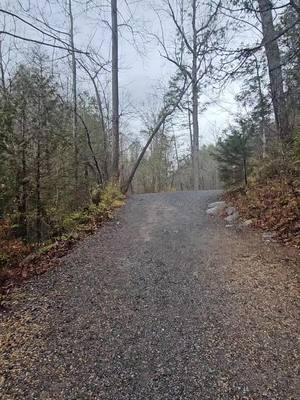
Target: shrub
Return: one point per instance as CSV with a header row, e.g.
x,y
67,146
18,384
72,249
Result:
x,y
72,221
271,168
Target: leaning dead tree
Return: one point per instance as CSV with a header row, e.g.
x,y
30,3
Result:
x,y
191,52
171,104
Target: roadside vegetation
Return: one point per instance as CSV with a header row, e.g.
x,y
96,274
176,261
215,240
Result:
x,y
21,259
265,190
259,154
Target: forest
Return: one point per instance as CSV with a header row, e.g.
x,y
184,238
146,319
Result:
x,y
74,137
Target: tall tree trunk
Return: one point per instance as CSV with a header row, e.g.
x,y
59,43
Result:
x,y
245,170
177,163
22,208
115,92
74,91
104,131
263,122
2,70
195,152
274,68
190,125
38,190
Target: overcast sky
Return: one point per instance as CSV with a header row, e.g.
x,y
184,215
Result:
x,y
142,69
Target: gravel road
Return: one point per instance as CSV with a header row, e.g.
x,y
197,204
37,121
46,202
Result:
x,y
162,303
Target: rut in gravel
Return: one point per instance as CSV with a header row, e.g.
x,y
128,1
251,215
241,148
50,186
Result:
x,y
162,303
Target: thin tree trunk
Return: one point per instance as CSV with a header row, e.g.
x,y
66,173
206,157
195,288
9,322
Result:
x,y
74,92
103,126
140,157
2,70
195,152
263,122
245,171
23,198
274,68
176,151
99,175
38,190
177,162
88,137
160,122
105,147
115,93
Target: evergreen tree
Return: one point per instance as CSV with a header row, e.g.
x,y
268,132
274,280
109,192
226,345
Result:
x,y
233,153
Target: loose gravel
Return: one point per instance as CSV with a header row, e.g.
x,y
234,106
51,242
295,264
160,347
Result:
x,y
163,303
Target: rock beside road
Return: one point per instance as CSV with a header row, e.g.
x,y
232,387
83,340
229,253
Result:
x,y
268,236
220,207
231,210
216,208
246,223
217,204
232,217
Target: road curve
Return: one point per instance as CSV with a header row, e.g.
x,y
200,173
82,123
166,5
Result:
x,y
163,303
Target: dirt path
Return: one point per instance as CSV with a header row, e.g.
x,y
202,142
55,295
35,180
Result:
x,y
165,304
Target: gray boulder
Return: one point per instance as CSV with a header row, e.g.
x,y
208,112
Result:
x,y
232,218
248,222
268,236
230,210
217,204
213,211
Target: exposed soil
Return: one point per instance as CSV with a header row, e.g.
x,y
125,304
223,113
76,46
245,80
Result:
x,y
162,303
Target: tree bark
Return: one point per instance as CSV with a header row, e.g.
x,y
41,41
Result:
x,y
263,122
2,70
105,148
22,208
74,91
274,68
195,105
38,190
115,93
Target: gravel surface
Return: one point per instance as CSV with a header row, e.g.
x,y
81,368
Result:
x,y
163,303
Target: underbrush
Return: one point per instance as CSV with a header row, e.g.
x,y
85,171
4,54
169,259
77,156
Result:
x,y
272,200
20,259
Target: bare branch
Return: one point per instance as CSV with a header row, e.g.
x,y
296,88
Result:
x,y
42,43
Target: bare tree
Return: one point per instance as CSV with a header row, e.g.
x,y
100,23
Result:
x,y
263,122
193,44
115,92
74,92
93,78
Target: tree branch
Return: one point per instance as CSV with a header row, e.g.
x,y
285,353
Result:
x,y
43,43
